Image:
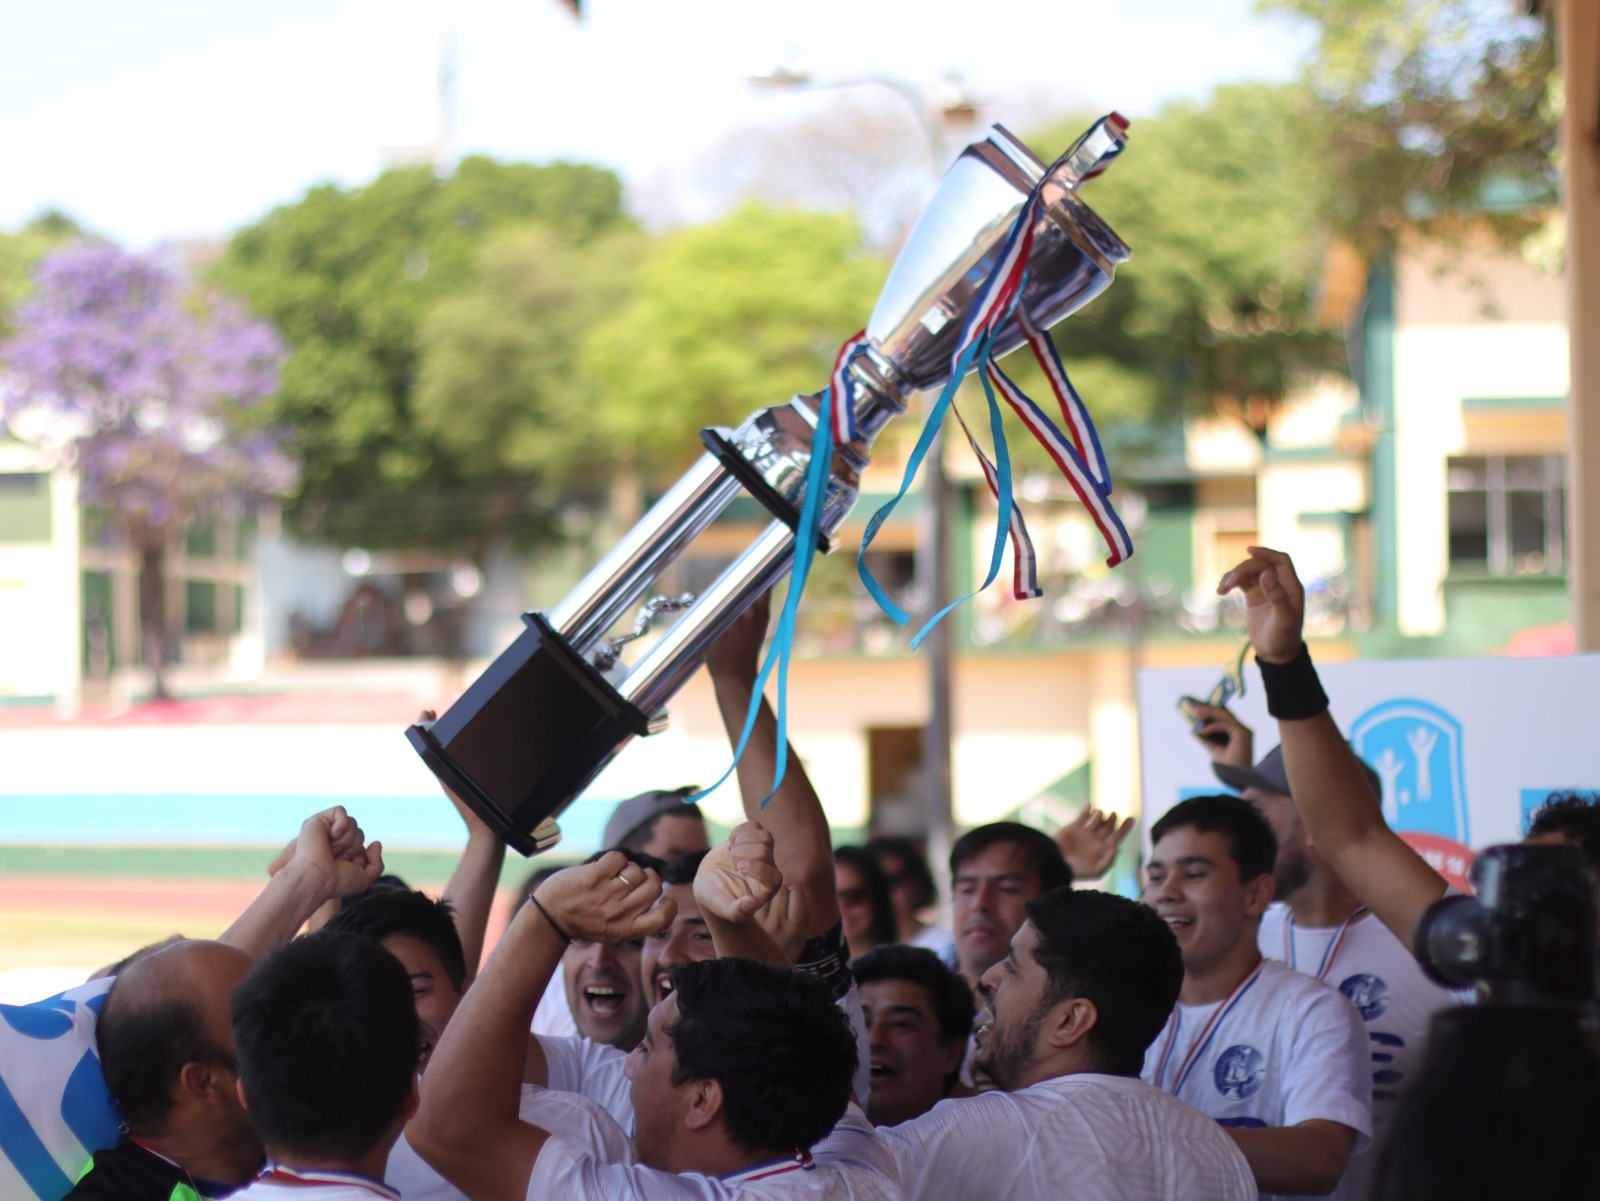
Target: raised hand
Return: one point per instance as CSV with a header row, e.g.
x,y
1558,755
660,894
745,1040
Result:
x,y
1089,842
1226,738
610,900
738,877
785,918
1274,602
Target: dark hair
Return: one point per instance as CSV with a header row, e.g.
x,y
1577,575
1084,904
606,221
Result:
x,y
384,912
949,996
1574,816
1118,954
1501,1108
912,865
1040,851
637,858
682,869
637,838
144,1041
884,929
327,1041
1251,842
773,1038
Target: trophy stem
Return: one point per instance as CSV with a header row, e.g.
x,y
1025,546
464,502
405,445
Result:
x,y
680,650
626,573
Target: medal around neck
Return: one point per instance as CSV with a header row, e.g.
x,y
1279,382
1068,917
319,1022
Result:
x,y
556,706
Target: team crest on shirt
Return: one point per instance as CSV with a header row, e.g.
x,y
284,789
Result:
x,y
1369,994
1240,1072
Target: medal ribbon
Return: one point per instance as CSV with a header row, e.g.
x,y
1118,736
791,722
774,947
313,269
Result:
x,y
802,1163
1331,953
1205,1035
275,1173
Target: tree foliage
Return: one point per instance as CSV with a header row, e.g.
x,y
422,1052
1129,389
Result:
x,y
20,254
351,276
1222,204
500,382
158,395
729,317
1436,109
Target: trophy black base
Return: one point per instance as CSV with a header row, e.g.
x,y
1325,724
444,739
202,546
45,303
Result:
x,y
528,736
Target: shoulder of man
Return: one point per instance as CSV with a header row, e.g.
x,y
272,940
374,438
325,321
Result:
x,y
127,1172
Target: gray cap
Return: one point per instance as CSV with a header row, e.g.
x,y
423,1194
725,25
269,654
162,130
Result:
x,y
637,811
1269,775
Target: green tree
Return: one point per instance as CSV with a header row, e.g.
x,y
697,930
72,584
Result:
x,y
729,317
1437,110
21,254
500,383
349,276
1223,205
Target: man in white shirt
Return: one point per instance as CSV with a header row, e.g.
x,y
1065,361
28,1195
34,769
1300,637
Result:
x,y
745,1067
327,1040
1278,1058
1320,928
1086,985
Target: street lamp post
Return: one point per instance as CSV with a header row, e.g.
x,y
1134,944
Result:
x,y
933,552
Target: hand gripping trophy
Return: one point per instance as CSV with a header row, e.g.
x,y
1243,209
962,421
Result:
x,y
1005,249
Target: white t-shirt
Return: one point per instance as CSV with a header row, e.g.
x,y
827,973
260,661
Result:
x,y
581,1065
317,1186
576,1119
1390,991
849,1165
938,940
1089,1137
55,1110
1284,1049
552,1017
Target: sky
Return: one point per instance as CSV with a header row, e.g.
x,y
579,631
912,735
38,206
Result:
x,y
176,119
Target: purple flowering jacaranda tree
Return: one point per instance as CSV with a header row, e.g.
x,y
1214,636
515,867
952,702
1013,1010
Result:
x,y
156,392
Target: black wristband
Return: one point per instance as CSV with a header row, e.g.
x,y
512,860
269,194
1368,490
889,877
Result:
x,y
827,958
1293,690
560,933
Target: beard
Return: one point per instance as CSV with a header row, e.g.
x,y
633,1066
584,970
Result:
x,y
1007,1054
1291,872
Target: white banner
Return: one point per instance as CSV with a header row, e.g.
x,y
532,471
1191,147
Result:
x,y
1466,748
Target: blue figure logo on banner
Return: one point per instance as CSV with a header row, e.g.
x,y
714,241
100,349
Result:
x,y
1416,749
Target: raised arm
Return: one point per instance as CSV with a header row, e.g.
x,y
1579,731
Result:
x,y
735,881
468,1126
471,887
1340,812
802,845
328,860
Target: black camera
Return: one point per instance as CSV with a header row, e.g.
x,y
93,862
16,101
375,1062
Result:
x,y
1526,938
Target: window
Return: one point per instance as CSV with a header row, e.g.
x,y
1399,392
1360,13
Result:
x,y
1506,514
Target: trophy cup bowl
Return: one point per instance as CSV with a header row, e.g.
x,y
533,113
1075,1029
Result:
x,y
531,733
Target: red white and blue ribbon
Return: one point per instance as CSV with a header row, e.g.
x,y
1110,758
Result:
x,y
1080,459
1332,951
802,1162
1077,453
276,1173
1207,1033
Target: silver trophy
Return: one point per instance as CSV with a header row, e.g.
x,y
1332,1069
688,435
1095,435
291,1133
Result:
x,y
557,705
